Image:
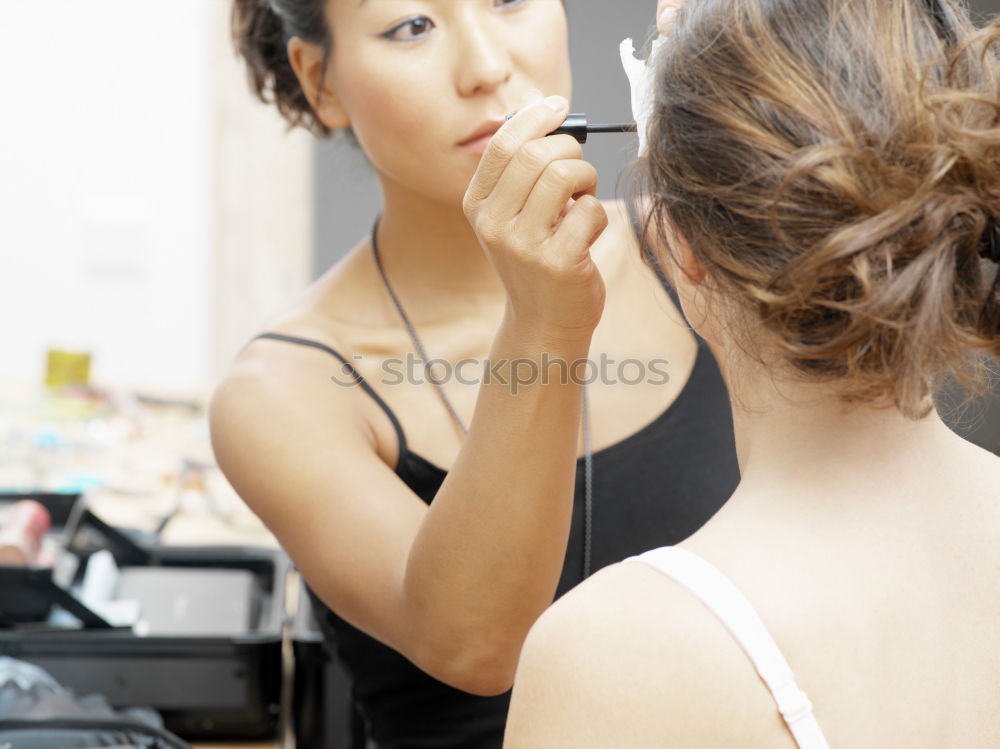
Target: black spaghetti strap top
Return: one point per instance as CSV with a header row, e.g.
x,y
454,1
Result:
x,y
654,488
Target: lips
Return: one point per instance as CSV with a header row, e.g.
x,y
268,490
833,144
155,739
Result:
x,y
485,131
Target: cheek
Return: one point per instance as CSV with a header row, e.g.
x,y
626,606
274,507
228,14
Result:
x,y
553,71
391,114
543,53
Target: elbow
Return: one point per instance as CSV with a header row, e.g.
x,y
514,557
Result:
x,y
471,651
474,670
482,680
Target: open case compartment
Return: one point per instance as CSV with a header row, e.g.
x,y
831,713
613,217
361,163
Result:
x,y
218,686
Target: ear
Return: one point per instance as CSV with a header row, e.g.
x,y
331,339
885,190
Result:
x,y
690,269
309,66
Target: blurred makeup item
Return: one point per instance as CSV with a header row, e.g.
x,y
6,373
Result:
x,y
100,579
99,589
21,533
67,368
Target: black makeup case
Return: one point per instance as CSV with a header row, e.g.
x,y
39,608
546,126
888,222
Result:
x,y
211,661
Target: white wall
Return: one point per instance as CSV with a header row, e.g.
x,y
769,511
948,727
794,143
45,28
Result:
x,y
116,145
105,186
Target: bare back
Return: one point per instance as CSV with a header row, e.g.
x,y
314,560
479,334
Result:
x,y
890,623
888,620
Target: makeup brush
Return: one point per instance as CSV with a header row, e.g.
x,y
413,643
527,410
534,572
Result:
x,y
577,126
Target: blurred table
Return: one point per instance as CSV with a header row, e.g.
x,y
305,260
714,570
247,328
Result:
x,y
140,457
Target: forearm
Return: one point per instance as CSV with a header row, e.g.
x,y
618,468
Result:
x,y
488,556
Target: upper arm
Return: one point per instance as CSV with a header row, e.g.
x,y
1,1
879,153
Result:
x,y
298,451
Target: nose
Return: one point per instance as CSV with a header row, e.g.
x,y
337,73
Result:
x,y
483,62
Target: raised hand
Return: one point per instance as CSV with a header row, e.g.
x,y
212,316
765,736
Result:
x,y
533,206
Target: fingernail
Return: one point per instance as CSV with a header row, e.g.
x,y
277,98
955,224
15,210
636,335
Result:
x,y
531,96
557,103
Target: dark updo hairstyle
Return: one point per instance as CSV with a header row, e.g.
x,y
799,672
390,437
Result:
x,y
835,167
261,31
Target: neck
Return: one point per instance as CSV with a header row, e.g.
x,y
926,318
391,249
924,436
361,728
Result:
x,y
795,440
429,249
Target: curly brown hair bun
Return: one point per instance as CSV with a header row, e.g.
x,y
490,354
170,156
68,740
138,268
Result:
x,y
835,166
261,30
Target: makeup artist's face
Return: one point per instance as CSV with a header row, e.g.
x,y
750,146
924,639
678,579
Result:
x,y
418,79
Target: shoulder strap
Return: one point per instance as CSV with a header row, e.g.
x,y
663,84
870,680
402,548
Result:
x,y
351,372
734,610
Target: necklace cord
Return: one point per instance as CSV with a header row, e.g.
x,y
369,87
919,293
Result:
x,y
413,335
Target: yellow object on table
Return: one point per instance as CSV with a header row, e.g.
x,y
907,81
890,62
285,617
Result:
x,y
67,368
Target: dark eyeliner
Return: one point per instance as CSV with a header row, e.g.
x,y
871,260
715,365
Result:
x,y
402,25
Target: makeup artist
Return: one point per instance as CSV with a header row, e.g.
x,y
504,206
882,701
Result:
x,y
435,515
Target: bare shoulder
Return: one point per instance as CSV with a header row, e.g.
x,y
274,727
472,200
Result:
x,y
275,399
620,229
638,287
279,380
618,617
598,667
618,211
280,387
629,658
621,240
273,383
